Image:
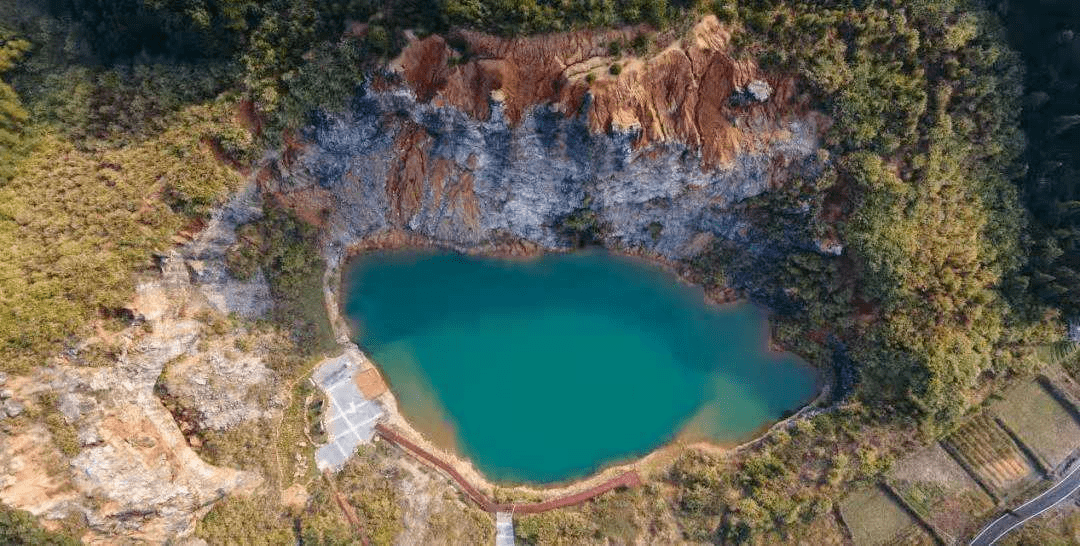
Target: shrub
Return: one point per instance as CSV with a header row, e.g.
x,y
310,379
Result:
x,y
640,44
75,224
20,528
284,247
655,229
553,527
583,227
255,519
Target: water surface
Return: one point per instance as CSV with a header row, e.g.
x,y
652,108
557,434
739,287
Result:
x,y
549,369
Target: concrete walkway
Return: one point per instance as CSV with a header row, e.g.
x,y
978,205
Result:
x,y
1017,517
504,529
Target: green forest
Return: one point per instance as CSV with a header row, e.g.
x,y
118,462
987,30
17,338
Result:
x,y
926,142
954,163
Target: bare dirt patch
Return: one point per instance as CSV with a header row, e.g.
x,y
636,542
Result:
x,y
370,383
295,496
31,474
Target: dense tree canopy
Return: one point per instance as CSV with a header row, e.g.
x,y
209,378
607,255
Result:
x,y
924,95
1046,34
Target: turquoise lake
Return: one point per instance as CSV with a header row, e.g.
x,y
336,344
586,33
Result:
x,y
548,369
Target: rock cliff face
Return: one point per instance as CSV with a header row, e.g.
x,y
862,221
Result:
x,y
130,471
511,143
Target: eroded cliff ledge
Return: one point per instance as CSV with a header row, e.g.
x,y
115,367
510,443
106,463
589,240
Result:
x,y
508,143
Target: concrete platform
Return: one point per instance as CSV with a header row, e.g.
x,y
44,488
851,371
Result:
x,y
350,418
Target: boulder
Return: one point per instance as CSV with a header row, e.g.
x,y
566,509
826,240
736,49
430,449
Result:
x,y
760,90
13,408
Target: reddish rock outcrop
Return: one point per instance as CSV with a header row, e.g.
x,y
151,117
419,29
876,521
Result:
x,y
415,173
683,93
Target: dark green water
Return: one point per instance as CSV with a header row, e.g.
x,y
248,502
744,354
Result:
x,y
549,369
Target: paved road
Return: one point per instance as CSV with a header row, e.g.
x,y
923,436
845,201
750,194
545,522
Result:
x,y
1015,518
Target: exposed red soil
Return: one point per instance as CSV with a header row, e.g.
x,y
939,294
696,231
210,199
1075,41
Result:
x,y
414,171
527,71
680,94
309,204
405,184
248,116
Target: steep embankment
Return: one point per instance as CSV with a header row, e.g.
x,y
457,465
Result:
x,y
110,453
518,142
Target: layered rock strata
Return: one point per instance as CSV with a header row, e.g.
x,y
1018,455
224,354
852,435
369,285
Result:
x,y
518,142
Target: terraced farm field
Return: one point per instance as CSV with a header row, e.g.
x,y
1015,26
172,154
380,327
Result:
x,y
989,452
874,519
912,536
938,488
1040,421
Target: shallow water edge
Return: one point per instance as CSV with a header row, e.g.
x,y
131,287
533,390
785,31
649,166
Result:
x,y
686,427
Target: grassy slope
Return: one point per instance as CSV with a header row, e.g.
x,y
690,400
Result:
x,y
75,224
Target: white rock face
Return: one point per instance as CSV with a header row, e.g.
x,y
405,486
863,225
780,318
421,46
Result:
x,y
760,90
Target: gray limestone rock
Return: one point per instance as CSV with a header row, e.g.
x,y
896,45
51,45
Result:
x,y
13,408
74,405
220,386
89,436
760,90
527,178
